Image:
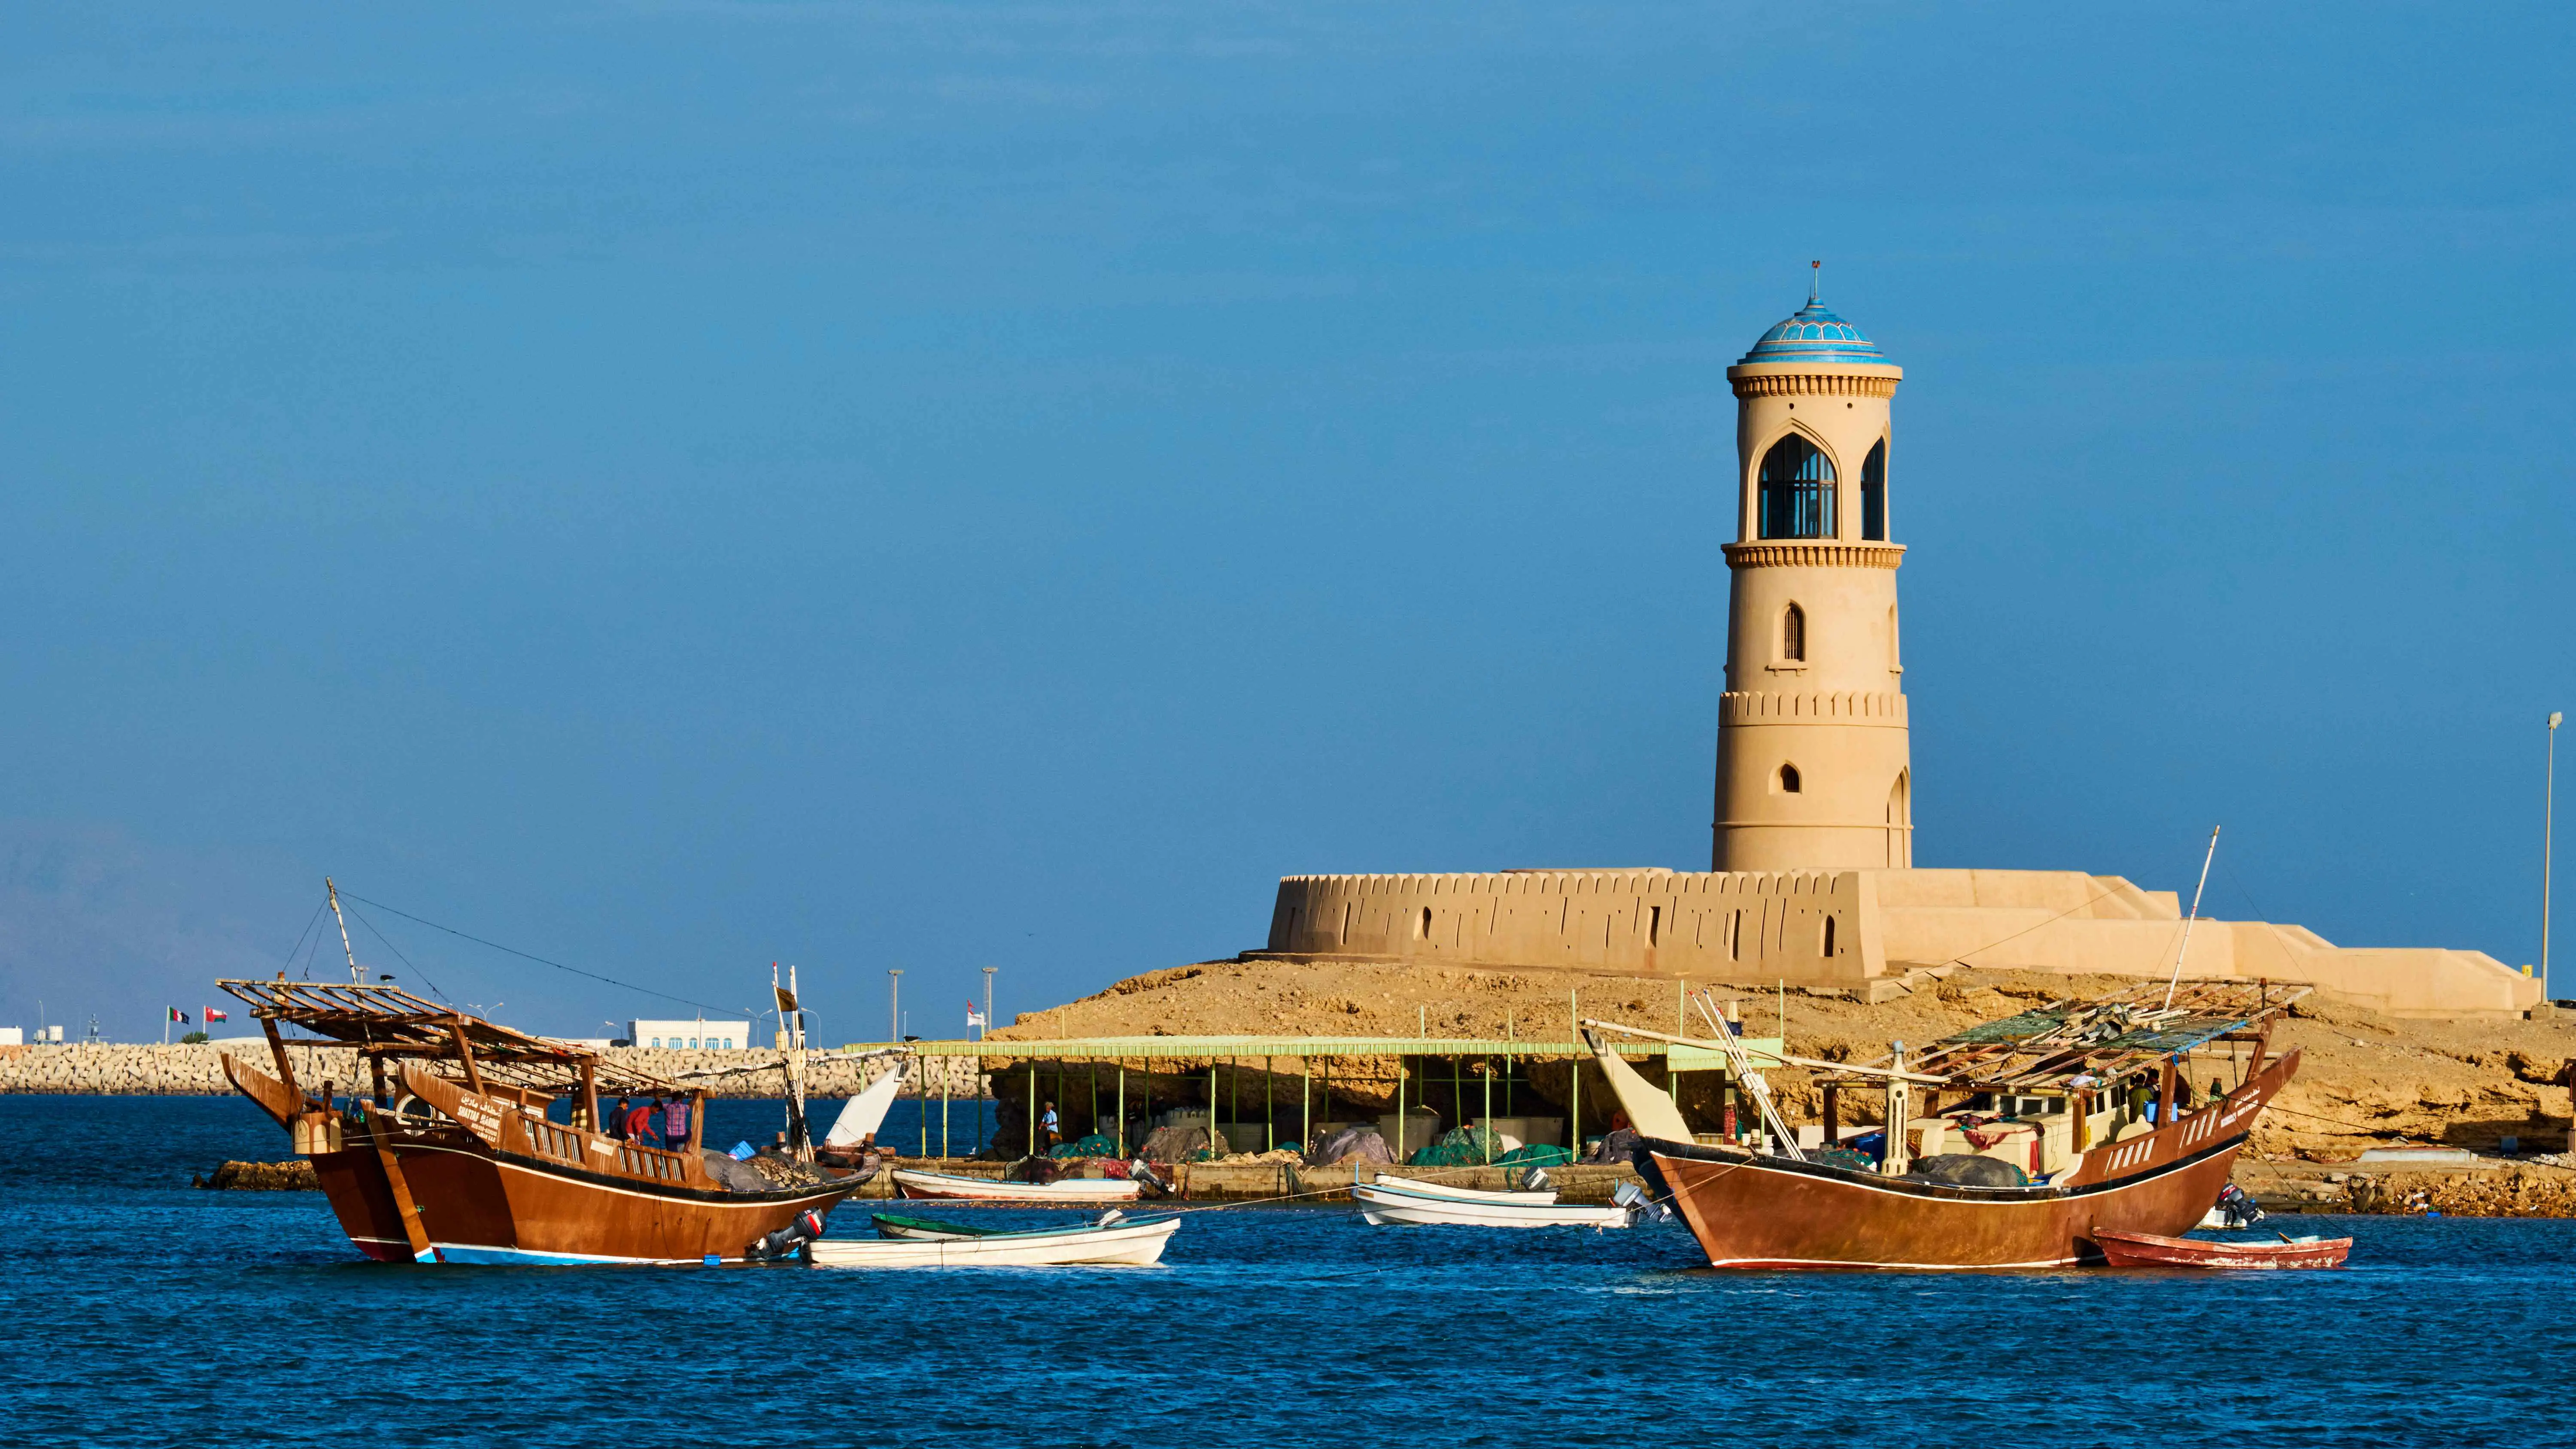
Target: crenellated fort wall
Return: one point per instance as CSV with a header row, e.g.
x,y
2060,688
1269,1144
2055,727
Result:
x,y
1852,926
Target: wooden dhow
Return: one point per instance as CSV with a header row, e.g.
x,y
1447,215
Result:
x,y
450,1151
2049,1110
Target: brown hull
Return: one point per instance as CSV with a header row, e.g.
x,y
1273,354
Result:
x,y
497,1184
1762,1212
480,1206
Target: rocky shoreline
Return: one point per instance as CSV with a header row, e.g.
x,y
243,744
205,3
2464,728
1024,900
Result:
x,y
195,1069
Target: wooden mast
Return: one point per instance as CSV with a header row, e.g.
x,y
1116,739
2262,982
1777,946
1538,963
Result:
x,y
285,1066
345,949
791,1021
804,1143
465,1054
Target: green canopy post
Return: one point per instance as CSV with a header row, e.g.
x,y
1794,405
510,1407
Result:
x,y
1485,1144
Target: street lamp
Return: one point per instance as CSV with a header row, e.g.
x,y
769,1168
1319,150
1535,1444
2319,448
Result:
x,y
894,1004
2548,819
988,1003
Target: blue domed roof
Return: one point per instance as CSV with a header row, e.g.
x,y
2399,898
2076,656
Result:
x,y
1815,334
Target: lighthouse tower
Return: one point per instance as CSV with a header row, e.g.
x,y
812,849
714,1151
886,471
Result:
x,y
1812,760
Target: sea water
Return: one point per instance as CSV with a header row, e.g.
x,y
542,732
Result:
x,y
136,1310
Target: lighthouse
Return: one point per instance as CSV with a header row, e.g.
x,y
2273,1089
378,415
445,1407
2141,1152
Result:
x,y
1813,769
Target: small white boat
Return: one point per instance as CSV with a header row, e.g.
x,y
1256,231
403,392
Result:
x,y
1389,1183
1063,1192
1083,1245
1384,1206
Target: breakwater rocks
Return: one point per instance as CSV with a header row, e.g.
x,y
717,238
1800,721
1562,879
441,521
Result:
x,y
196,1069
2538,1187
293,1175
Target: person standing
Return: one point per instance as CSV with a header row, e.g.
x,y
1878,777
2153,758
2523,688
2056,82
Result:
x,y
675,1123
616,1124
1048,1137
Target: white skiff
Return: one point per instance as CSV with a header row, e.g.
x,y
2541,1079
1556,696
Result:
x,y
1389,1183
1063,1192
1385,1207
1088,1244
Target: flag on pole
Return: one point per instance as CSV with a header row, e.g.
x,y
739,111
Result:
x,y
974,1018
214,1015
178,1016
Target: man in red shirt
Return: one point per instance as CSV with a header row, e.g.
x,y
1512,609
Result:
x,y
641,1125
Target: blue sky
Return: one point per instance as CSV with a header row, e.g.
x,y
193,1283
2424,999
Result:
x,y
676,487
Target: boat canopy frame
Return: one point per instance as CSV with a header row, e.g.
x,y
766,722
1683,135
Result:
x,y
387,1023
2072,1045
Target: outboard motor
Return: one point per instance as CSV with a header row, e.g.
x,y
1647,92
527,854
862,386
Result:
x,y
2237,1208
1641,1207
790,1240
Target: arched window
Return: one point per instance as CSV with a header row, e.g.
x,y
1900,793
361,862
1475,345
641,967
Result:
x,y
1793,633
1900,817
1797,490
1873,493
1789,779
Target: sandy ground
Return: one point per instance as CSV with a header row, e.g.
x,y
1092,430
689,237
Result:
x,y
2365,1080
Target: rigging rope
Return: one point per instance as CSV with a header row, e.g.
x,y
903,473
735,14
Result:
x,y
440,996
308,930
540,960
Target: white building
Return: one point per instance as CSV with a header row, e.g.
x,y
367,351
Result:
x,y
700,1034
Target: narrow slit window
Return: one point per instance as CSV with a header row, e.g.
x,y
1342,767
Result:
x,y
1654,925
1789,781
1829,935
1422,928
1873,493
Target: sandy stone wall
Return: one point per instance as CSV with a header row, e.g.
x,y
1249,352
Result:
x,y
197,1070
1840,928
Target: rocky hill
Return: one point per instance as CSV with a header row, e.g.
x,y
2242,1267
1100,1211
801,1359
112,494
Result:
x,y
2366,1080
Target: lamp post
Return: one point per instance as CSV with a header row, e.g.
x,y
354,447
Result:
x,y
988,1003
2548,819
894,1004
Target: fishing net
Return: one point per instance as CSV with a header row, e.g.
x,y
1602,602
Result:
x,y
1098,1144
1534,1156
1175,1143
1842,1157
1460,1147
1967,1169
1352,1144
737,1175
